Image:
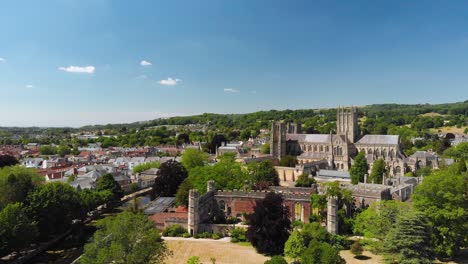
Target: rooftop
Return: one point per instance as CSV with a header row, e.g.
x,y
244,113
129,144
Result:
x,y
379,140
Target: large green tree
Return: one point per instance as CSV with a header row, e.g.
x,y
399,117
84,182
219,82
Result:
x,y
127,238
442,196
170,175
17,230
359,168
108,183
16,183
377,172
294,246
192,158
263,172
409,240
269,225
7,160
54,206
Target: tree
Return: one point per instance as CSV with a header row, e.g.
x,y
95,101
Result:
x,y
192,158
216,142
379,218
461,168
265,148
263,172
294,246
7,160
288,161
183,139
182,195
146,166
170,175
377,172
304,180
107,183
16,183
442,197
126,238
269,225
356,248
276,260
17,231
321,253
359,168
63,150
47,150
409,240
54,206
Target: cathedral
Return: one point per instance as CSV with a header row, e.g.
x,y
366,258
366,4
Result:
x,y
337,149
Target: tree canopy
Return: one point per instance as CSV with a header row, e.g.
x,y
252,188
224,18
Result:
x,y
126,238
359,168
7,160
108,183
192,158
16,183
377,172
269,225
170,175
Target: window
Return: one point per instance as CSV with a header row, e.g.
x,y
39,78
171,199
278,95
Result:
x,y
298,211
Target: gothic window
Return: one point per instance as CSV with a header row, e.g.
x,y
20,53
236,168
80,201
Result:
x,y
309,148
327,149
298,211
315,148
321,148
384,153
222,205
369,151
377,153
342,166
398,170
392,154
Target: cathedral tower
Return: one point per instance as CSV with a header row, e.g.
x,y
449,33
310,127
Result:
x,y
346,123
278,140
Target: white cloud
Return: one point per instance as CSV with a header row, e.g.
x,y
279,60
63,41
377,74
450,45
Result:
x,y
29,86
2,60
78,69
169,81
145,63
230,90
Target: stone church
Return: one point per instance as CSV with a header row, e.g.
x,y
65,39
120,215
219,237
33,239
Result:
x,y
337,149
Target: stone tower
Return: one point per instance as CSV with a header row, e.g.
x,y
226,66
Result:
x,y
347,123
332,215
278,140
193,212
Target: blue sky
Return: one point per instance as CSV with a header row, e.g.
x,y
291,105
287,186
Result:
x,y
76,62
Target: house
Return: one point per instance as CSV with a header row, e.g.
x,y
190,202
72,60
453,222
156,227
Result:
x,y
146,178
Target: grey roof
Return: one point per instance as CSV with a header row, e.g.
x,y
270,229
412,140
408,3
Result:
x,y
379,140
313,138
152,171
423,154
159,205
333,174
313,155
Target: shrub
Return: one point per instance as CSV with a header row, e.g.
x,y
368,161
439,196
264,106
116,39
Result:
x,y
217,236
297,224
356,248
203,235
340,242
186,235
174,231
238,235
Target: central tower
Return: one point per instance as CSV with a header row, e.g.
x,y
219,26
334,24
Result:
x,y
346,123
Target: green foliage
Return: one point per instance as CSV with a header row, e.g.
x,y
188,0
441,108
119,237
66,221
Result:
x,y
265,148
378,219
226,173
295,246
319,203
238,235
92,199
461,166
127,238
263,172
174,231
269,225
7,160
146,166
442,197
17,231
63,150
203,235
377,172
305,181
170,175
288,161
193,260
356,248
54,206
359,168
192,158
409,241
182,195
321,253
107,183
47,150
276,260
16,183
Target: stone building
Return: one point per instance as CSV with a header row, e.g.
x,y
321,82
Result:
x,y
337,150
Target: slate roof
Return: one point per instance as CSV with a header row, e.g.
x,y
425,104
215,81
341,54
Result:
x,y
159,205
333,174
313,138
379,140
313,155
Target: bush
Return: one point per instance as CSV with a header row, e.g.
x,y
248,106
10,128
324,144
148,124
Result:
x,y
217,236
276,260
297,224
203,235
356,248
238,235
340,242
174,231
186,235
